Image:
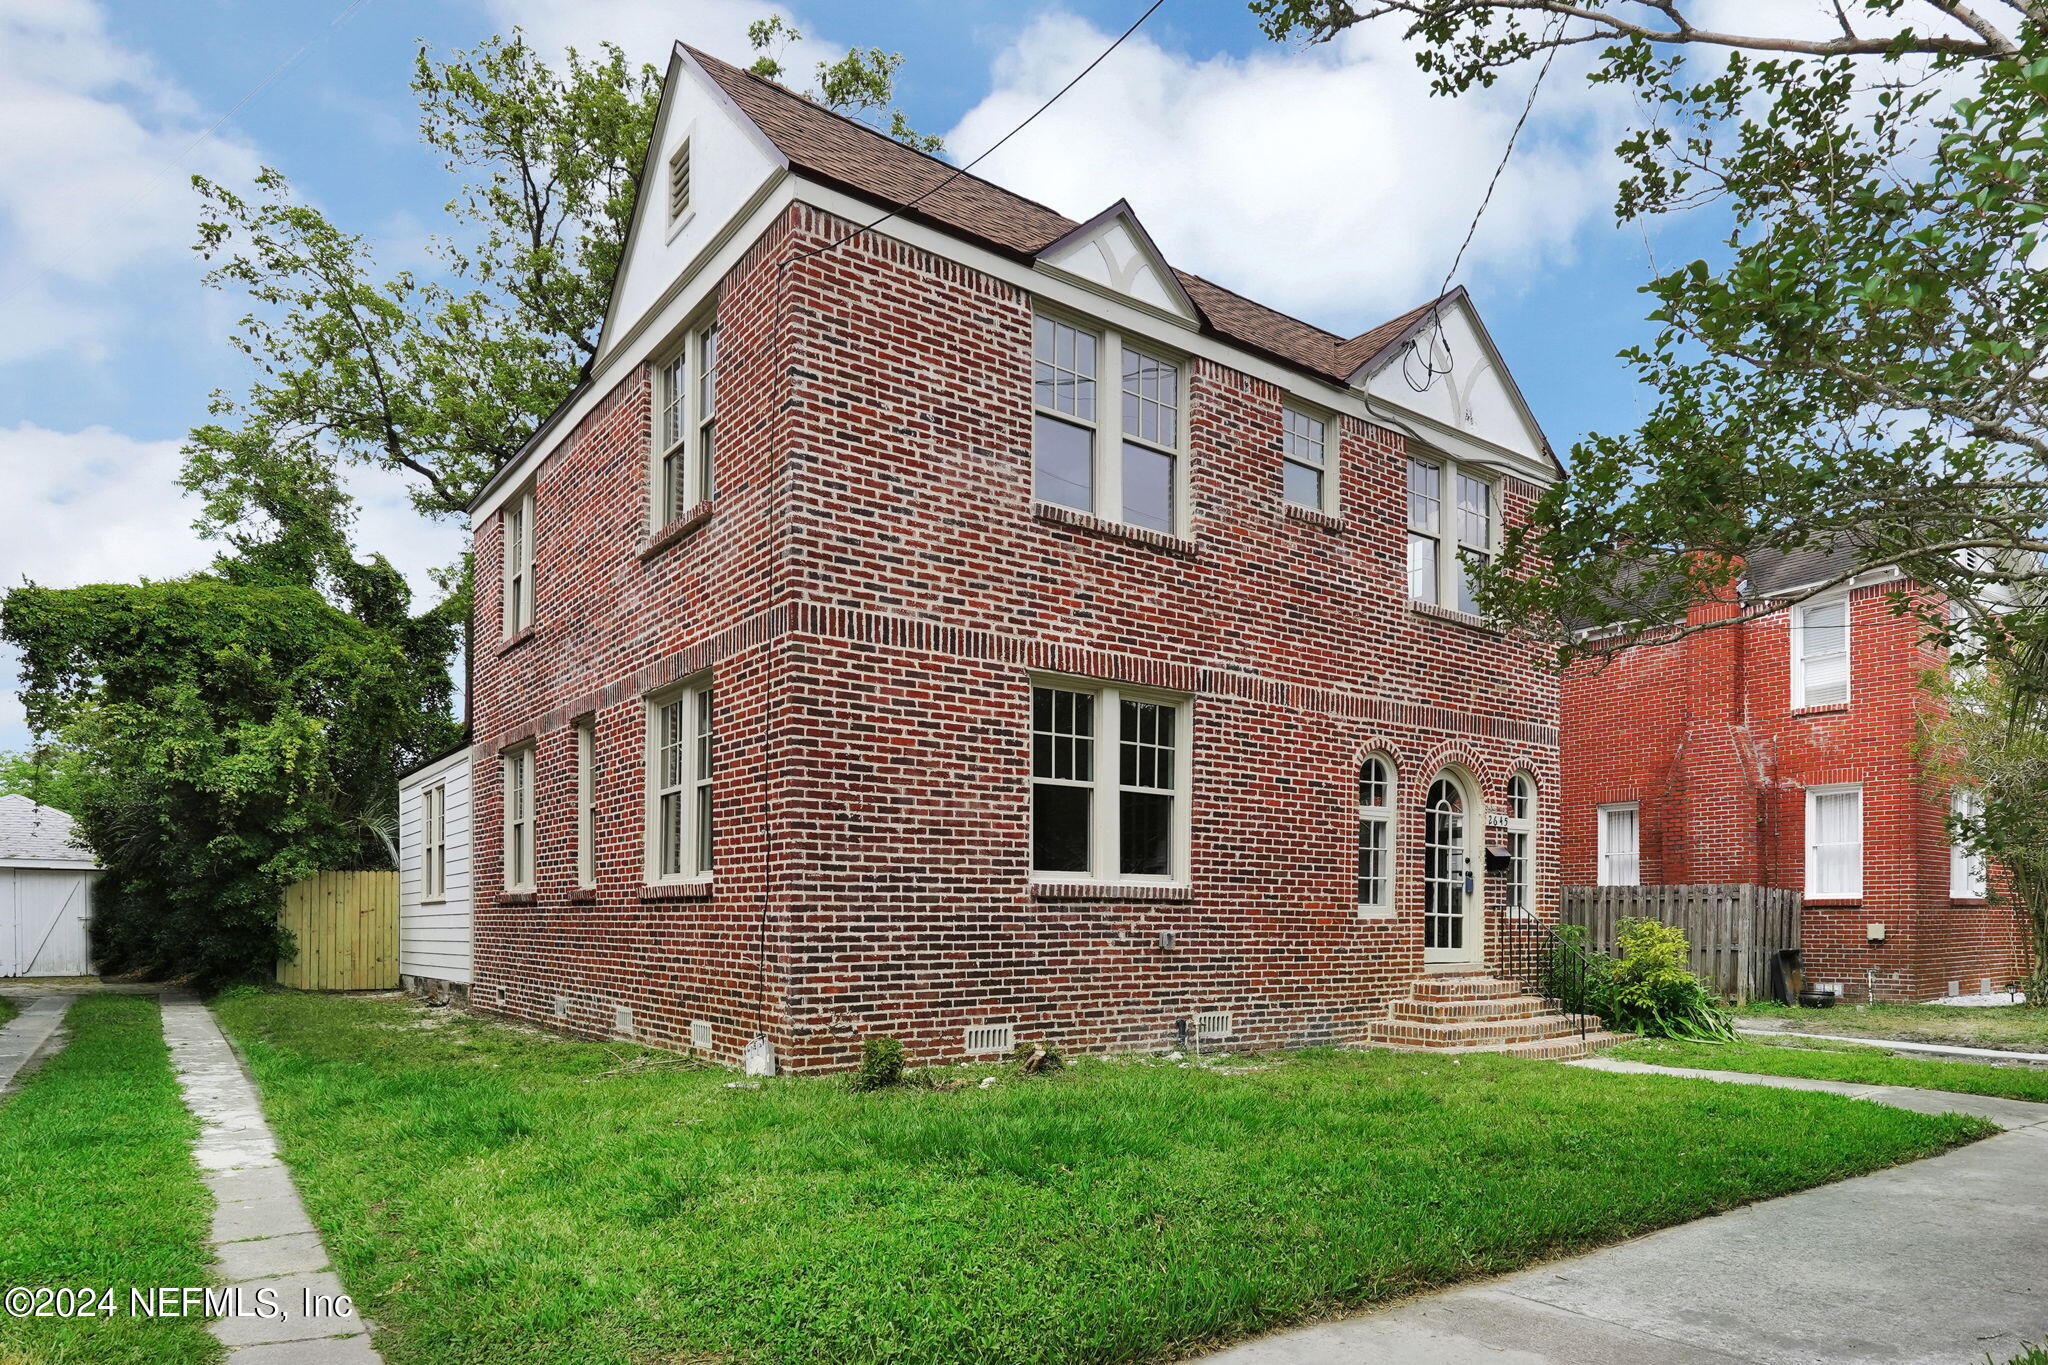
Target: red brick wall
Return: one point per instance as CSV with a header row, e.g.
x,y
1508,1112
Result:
x,y
870,594
1700,731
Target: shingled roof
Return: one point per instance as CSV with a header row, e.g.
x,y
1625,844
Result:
x,y
855,158
35,834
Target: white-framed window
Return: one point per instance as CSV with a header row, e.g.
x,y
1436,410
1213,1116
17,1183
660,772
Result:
x,y
518,765
586,803
1834,842
516,534
1376,835
1966,870
685,425
679,183
679,784
1305,474
434,843
1620,840
1820,653
1117,455
1108,784
1521,832
1442,539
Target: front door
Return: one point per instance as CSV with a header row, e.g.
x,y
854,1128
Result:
x,y
1450,890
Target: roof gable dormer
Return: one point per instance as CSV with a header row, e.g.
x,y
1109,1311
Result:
x,y
1113,252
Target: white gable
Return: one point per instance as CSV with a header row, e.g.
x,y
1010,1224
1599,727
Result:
x,y
730,162
1112,252
1454,381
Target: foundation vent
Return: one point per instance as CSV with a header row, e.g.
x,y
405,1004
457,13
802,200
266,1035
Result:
x,y
700,1034
986,1038
1213,1026
622,1020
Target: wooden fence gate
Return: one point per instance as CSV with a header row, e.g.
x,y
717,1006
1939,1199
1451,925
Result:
x,y
346,926
1734,928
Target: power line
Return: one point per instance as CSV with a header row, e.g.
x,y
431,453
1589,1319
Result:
x,y
809,252
1551,33
79,244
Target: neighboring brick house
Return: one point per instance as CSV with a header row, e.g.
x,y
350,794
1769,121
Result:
x,y
1780,751
975,630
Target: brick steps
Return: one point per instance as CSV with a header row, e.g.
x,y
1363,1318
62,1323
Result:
x,y
1451,1013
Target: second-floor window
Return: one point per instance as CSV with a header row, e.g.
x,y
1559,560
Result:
x,y
1305,461
1620,859
517,598
1820,653
685,426
1450,533
1114,454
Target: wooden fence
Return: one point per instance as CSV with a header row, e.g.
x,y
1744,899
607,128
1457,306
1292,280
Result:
x,y
346,926
1734,928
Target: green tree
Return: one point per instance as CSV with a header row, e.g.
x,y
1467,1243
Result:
x,y
1861,364
48,774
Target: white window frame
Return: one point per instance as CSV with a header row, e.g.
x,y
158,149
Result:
x,y
1379,816
586,803
1106,433
693,784
1968,875
1106,783
1797,650
1814,796
1301,429
1520,882
1613,862
519,856
679,187
1450,583
680,477
515,555
434,844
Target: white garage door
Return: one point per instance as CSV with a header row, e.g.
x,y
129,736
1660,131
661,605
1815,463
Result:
x,y
43,914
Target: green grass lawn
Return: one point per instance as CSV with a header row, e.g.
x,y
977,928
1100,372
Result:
x,y
2018,1028
1841,1062
493,1194
97,1189
8,1009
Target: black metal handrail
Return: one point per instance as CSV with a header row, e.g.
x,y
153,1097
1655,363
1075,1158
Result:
x,y
1546,964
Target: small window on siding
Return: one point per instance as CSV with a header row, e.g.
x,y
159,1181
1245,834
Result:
x,y
1966,879
1834,842
1820,653
434,843
519,819
679,184
1376,834
1304,463
1620,845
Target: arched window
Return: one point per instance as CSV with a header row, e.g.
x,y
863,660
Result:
x,y
1521,889
1376,835
1446,867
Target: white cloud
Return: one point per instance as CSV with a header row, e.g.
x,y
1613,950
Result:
x,y
649,29
93,165
1326,181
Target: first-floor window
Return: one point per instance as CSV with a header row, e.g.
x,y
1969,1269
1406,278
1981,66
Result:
x,y
679,782
1375,834
1106,787
519,819
1834,841
586,803
1304,460
1521,887
1966,879
434,843
1620,860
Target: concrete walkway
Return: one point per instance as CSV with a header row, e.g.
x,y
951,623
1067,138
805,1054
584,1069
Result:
x,y
1938,1262
23,1036
1958,1051
261,1236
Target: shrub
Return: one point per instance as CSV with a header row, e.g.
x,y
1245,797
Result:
x,y
881,1064
1579,976
1654,993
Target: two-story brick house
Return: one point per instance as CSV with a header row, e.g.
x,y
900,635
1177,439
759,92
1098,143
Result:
x,y
934,616
1781,751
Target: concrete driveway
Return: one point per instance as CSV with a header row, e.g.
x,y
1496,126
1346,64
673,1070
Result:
x,y
1943,1260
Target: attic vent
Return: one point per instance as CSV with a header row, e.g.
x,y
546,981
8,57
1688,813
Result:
x,y
985,1038
700,1034
1215,1024
679,184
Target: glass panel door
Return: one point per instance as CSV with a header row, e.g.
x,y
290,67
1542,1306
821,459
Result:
x,y
1446,873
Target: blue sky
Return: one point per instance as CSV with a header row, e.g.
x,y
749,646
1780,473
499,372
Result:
x,y
1324,181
